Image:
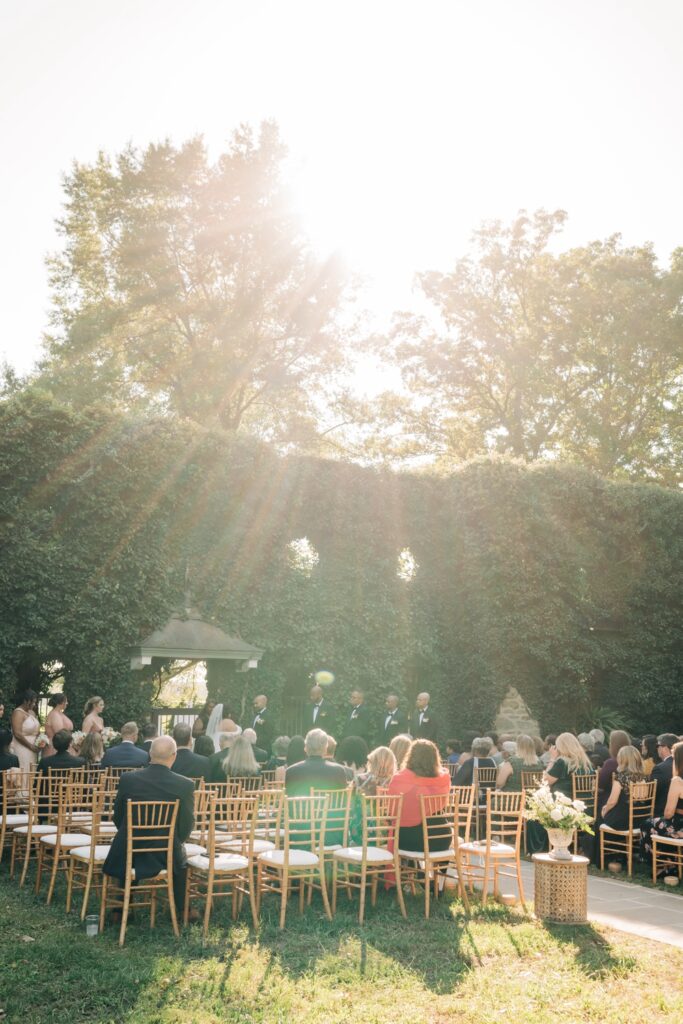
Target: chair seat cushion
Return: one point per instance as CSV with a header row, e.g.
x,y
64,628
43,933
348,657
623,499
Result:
x,y
14,819
224,863
497,850
156,878
332,847
433,855
36,830
260,845
194,849
105,828
81,816
265,832
83,853
294,858
67,839
375,855
619,831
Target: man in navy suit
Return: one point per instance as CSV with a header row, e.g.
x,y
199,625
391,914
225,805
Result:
x,y
662,772
125,754
187,763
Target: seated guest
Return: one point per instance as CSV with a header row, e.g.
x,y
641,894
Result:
x,y
588,744
508,749
7,761
203,746
225,740
150,732
649,753
453,751
314,772
495,751
126,754
599,745
669,824
548,748
278,761
509,777
352,753
92,752
260,754
399,746
466,748
422,776
192,766
570,759
61,741
617,739
296,751
154,782
381,769
331,751
240,761
615,808
662,772
481,747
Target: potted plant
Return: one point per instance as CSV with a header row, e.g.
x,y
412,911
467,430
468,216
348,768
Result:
x,y
559,816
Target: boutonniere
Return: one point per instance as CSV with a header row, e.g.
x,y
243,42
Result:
x,y
322,714
259,720
394,721
424,720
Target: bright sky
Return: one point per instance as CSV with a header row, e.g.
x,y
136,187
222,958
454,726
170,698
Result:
x,y
408,122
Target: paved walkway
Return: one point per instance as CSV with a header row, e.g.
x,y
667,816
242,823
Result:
x,y
628,907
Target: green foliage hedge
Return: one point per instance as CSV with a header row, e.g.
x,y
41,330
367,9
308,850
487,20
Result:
x,y
546,578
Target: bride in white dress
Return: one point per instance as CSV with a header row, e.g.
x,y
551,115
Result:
x,y
217,725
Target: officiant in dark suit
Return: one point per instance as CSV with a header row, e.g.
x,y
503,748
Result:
x,y
320,713
358,721
392,721
261,721
155,782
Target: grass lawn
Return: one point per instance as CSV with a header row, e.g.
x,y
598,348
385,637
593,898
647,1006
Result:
x,y
498,965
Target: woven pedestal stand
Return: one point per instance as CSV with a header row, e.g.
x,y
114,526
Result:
x,y
560,889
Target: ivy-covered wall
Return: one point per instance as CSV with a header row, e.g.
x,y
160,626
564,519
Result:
x,y
549,579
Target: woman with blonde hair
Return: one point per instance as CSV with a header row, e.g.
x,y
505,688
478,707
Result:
x,y
567,758
92,716
399,746
381,770
525,759
615,808
240,760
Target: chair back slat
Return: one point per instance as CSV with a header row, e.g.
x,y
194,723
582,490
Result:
x,y
381,815
532,778
504,816
338,813
439,814
151,825
641,802
305,819
585,787
464,797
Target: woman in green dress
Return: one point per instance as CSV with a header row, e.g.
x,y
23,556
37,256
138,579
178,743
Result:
x,y
568,758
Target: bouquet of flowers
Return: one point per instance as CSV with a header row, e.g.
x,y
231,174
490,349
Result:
x,y
77,738
42,741
110,737
555,810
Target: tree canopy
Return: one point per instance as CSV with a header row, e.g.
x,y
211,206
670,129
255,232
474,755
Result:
x,y
187,286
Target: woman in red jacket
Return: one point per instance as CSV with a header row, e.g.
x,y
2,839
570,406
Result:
x,y
422,776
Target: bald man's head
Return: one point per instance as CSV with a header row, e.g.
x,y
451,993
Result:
x,y
163,750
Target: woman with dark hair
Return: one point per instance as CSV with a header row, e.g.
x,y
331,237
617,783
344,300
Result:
x,y
204,746
56,720
278,762
422,776
649,752
296,751
92,752
25,729
670,825
352,753
617,739
7,760
202,720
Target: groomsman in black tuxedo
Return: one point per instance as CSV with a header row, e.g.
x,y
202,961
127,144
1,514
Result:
x,y
392,721
261,722
320,713
422,721
358,722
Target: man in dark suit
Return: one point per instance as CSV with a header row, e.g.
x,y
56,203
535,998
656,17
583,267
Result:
x,y
261,722
126,754
61,741
187,763
422,721
320,714
149,732
155,782
662,772
315,772
358,721
392,721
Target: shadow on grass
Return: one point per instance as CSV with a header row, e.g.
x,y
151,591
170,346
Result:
x,y
592,952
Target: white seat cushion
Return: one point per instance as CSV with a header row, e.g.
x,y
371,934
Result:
x,y
497,850
224,863
67,839
105,828
37,830
260,845
264,832
355,854
294,858
162,875
432,855
14,819
193,849
332,847
83,853
619,831
81,816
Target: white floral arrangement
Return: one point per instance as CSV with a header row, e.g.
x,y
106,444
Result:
x,y
555,810
77,738
110,736
42,741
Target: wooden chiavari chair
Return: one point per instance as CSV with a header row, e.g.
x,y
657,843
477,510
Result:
x,y
365,864
300,858
641,805
440,820
585,787
246,784
73,798
26,837
16,787
337,828
150,827
220,872
532,778
84,867
483,779
667,852
465,806
501,848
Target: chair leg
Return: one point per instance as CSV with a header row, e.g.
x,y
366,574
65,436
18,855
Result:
x,y
283,899
171,905
207,907
335,868
252,895
86,891
602,851
69,883
27,858
323,891
363,884
399,887
373,891
103,900
39,868
428,887
124,912
654,859
153,909
53,876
